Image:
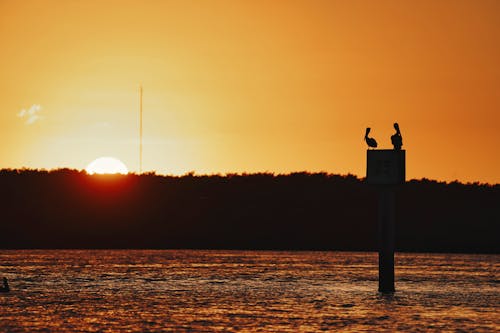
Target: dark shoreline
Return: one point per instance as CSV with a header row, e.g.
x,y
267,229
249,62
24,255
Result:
x,y
296,212
241,250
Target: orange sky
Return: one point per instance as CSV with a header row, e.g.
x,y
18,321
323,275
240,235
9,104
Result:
x,y
234,86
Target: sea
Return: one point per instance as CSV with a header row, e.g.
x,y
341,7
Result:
x,y
245,291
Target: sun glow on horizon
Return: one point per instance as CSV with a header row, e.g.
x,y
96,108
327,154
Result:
x,y
106,165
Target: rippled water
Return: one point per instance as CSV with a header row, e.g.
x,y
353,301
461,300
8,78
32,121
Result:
x,y
206,291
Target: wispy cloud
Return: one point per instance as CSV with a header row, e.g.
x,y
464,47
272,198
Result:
x,y
31,115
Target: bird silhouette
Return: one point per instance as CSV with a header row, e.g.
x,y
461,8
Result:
x,y
370,141
397,138
5,288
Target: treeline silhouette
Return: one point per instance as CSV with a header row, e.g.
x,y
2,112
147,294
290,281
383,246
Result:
x,y
299,211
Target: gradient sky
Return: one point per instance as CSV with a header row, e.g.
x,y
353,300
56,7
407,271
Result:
x,y
247,86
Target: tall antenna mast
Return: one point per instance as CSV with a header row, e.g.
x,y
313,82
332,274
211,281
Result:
x,y
140,129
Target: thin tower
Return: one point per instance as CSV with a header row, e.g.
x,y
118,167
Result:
x,y
140,129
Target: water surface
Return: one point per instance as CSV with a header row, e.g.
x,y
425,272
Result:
x,y
206,291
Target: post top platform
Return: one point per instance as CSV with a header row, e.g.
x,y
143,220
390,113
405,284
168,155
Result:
x,y
385,150
385,166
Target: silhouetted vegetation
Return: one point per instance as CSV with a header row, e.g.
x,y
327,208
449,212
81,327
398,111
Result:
x,y
302,211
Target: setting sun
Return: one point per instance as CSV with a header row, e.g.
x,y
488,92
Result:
x,y
106,165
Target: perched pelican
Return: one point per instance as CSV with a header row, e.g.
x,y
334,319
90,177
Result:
x,y
5,287
396,138
370,141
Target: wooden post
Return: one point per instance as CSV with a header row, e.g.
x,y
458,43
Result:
x,y
386,215
386,169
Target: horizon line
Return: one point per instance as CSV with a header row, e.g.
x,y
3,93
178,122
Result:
x,y
236,174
